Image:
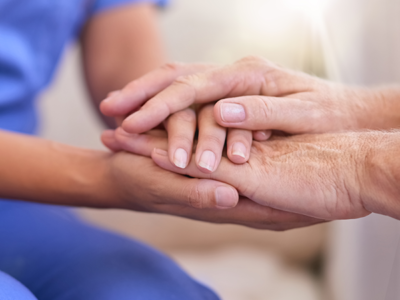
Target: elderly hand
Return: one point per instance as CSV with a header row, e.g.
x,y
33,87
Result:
x,y
260,95
326,176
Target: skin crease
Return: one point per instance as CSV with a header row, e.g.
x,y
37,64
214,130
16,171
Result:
x,y
329,176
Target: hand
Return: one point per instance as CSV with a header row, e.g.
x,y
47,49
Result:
x,y
181,125
139,184
323,176
181,128
268,97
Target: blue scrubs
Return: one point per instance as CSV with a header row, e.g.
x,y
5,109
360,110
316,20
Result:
x,y
47,252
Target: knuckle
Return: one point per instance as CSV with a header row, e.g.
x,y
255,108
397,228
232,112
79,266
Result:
x,y
171,66
263,107
186,79
212,140
187,116
195,198
181,139
272,77
186,84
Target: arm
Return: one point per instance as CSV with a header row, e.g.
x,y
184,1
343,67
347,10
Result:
x,y
119,45
47,172
43,171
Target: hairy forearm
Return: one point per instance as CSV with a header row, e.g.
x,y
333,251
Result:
x,y
43,171
381,189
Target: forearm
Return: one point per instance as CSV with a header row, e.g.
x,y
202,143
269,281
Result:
x,y
119,46
381,188
43,171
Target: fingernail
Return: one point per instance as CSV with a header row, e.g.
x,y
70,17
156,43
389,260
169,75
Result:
x,y
232,112
180,158
207,160
161,152
225,197
239,149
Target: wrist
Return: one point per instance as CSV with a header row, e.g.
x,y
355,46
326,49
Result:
x,y
83,181
376,108
381,188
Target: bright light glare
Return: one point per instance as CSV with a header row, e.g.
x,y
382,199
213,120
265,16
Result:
x,y
314,9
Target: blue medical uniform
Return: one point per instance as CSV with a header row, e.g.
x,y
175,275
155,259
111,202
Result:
x,y
47,252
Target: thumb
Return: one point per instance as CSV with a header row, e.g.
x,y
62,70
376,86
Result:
x,y
262,113
205,193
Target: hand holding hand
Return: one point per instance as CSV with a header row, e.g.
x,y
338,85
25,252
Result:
x,y
257,95
135,182
326,176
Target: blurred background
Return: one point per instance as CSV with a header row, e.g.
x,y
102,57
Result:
x,y
352,41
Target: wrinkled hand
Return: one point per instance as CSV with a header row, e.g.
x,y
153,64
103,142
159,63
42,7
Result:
x,y
265,96
322,176
138,184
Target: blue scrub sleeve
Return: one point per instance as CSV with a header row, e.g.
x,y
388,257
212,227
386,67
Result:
x,y
100,5
11,289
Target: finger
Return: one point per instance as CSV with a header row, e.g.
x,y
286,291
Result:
x,y
246,77
260,113
137,92
108,139
204,193
233,175
181,127
248,213
226,171
262,135
238,145
141,144
211,141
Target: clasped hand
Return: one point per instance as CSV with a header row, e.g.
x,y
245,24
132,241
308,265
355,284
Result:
x,y
305,169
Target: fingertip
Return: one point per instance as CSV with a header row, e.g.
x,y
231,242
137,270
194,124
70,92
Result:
x,y
236,159
262,135
109,133
130,124
109,105
179,158
207,162
238,153
108,139
105,108
160,158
